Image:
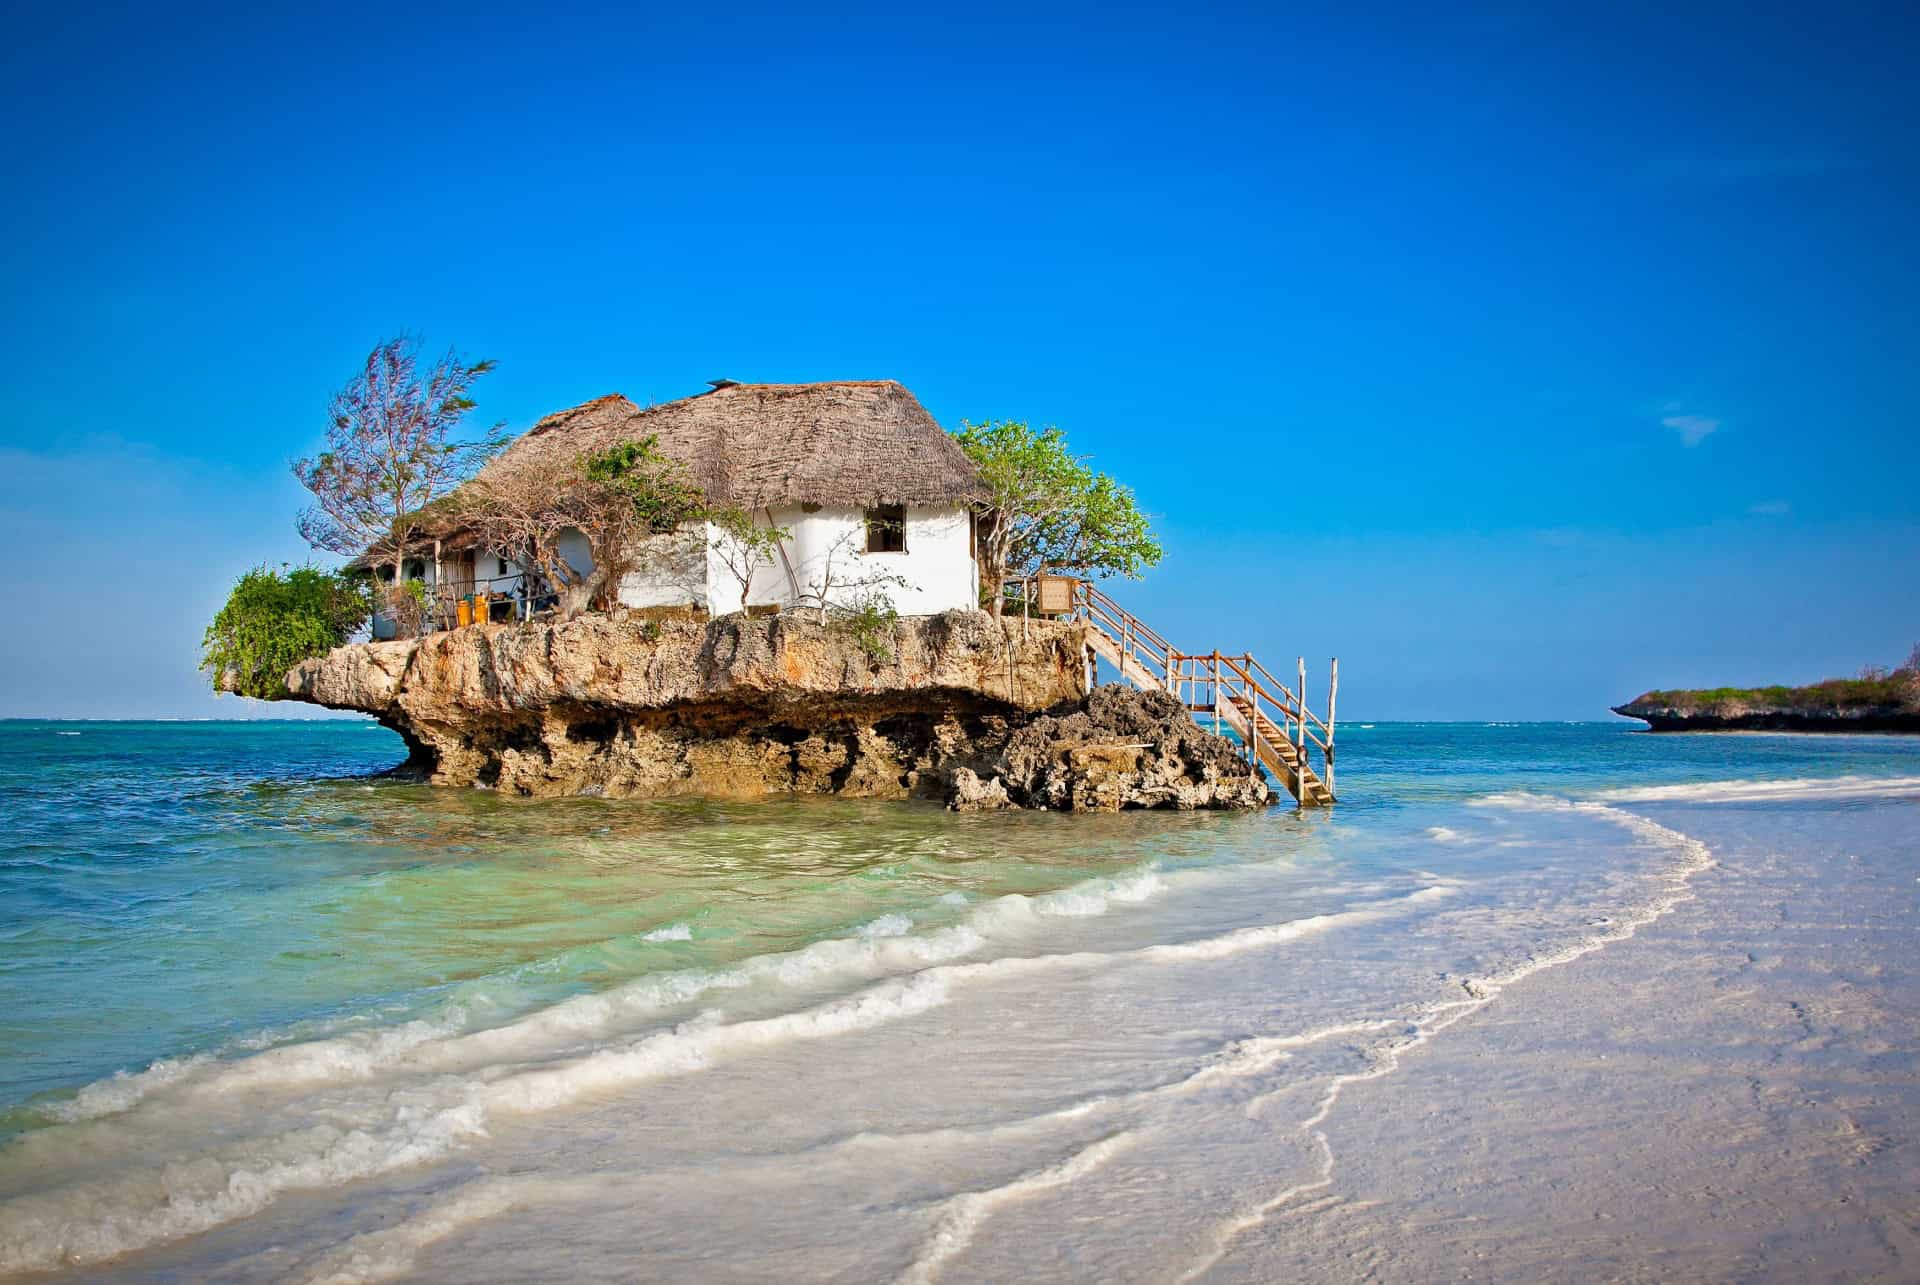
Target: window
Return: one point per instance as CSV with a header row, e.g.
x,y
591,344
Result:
x,y
415,569
887,529
503,565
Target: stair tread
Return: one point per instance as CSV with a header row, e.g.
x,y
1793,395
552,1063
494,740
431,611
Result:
x,y
1271,743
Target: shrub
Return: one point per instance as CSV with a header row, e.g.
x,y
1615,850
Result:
x,y
410,606
868,622
272,622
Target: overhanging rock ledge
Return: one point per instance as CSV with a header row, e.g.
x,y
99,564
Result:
x,y
960,707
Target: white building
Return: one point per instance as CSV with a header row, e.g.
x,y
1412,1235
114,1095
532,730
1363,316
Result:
x,y
873,496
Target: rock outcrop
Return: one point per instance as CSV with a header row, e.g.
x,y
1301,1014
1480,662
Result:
x,y
1120,749
958,707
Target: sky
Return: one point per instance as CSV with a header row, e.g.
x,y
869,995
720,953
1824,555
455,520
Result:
x,y
1524,358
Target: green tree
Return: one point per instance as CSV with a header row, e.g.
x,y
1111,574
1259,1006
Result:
x,y
1046,508
272,622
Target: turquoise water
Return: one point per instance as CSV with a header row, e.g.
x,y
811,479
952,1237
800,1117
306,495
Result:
x,y
178,901
169,888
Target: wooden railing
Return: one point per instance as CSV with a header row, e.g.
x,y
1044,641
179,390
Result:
x,y
1236,689
496,598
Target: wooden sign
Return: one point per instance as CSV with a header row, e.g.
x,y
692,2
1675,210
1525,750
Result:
x,y
1054,595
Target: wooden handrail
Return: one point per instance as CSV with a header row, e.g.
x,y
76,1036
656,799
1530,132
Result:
x,y
1283,687
1094,596
1234,681
1122,631
1289,708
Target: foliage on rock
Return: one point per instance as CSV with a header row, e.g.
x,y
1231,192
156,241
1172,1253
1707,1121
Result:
x,y
271,622
1876,687
409,605
868,622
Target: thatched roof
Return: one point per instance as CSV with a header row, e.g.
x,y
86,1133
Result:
x,y
851,442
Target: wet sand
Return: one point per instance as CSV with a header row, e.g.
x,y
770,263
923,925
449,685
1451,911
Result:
x,y
1733,1095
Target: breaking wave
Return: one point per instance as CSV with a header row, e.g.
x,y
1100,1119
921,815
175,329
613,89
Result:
x,y
414,1093
1791,790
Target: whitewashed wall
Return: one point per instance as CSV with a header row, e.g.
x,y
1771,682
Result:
x,y
938,565
682,569
672,571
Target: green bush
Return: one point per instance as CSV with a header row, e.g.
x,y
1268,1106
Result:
x,y
272,622
1833,694
869,624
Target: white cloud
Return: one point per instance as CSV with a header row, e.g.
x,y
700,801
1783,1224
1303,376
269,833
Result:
x,y
1693,429
1770,509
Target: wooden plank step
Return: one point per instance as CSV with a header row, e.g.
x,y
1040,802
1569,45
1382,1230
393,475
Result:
x,y
1275,751
1279,755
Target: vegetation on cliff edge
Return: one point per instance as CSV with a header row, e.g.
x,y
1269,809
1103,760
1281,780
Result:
x,y
1876,687
272,622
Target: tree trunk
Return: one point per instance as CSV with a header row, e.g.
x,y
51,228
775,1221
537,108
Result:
x,y
996,573
575,597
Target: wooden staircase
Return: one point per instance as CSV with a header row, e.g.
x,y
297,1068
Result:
x,y
1280,756
1271,720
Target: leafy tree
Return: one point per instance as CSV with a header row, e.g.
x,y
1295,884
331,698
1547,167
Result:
x,y
615,498
743,546
1046,508
391,452
272,622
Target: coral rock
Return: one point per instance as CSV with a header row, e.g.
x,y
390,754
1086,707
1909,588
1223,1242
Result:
x,y
961,707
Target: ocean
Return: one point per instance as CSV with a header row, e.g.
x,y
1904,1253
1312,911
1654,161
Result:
x,y
1533,1002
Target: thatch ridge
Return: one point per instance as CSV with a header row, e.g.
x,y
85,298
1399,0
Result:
x,y
844,442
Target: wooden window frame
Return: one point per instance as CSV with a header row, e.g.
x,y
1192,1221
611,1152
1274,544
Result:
x,y
886,532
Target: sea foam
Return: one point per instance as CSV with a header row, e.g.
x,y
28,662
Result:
x,y
455,1087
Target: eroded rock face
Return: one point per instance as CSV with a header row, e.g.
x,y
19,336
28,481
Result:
x,y
956,707
1124,749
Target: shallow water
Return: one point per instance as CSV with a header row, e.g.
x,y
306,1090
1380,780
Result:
x,y
264,1016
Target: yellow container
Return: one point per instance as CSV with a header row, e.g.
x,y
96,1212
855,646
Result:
x,y
464,611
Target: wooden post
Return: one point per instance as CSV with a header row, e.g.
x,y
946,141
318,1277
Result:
x,y
1216,693
1300,725
1333,694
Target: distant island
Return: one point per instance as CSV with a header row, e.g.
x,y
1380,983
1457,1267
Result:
x,y
1879,700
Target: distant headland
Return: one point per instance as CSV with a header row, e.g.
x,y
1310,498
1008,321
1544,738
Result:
x,y
1878,700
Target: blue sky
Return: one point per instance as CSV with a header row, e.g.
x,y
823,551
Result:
x,y
1525,360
